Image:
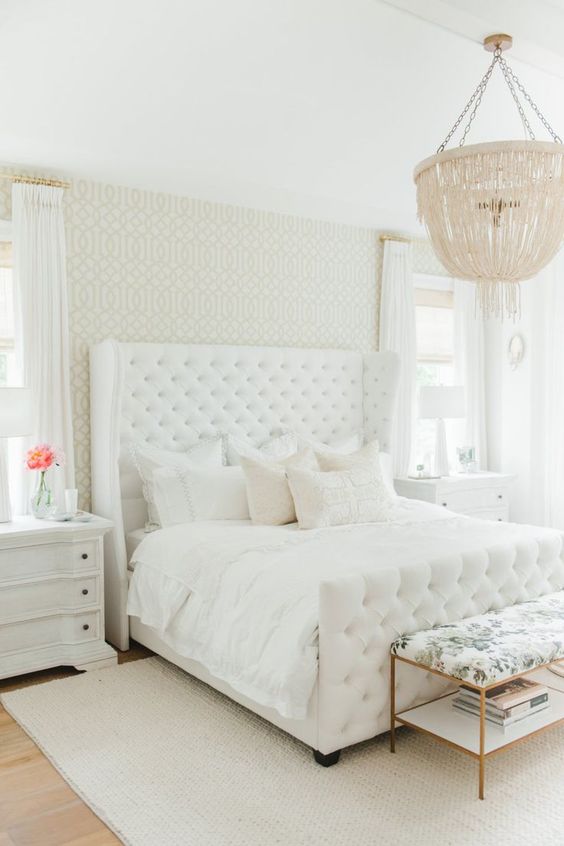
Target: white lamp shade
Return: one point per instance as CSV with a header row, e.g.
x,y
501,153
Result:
x,y
442,401
15,412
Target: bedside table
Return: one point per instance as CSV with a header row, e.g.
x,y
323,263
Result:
x,y
484,495
52,595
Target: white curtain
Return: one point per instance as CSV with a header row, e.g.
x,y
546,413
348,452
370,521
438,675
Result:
x,y
546,348
469,359
397,333
40,288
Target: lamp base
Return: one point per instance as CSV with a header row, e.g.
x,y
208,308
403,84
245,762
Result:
x,y
441,466
5,509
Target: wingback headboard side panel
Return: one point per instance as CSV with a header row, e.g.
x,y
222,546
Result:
x,y
171,395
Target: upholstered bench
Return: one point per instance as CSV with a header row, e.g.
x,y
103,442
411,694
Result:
x,y
483,652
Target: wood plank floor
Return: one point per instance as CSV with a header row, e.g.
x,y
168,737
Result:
x,y
37,807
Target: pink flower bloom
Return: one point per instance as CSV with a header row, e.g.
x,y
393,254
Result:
x,y
43,456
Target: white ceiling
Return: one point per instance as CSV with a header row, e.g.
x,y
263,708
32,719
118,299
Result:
x,y
320,107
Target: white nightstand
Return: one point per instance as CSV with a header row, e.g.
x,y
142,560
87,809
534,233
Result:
x,y
52,595
484,495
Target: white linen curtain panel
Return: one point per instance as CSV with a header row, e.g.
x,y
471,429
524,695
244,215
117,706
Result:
x,y
469,359
397,334
40,286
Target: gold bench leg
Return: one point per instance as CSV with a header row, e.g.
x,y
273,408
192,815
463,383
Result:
x,y
392,703
482,741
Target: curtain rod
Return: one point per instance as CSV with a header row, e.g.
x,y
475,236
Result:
x,y
35,180
401,238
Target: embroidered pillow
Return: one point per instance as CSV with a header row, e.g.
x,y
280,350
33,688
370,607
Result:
x,y
336,498
201,493
268,493
148,458
368,456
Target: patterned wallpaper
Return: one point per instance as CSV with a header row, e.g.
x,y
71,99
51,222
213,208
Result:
x,y
145,266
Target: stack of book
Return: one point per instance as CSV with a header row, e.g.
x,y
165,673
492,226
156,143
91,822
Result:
x,y
507,704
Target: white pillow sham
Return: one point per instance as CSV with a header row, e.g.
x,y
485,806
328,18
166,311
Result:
x,y
147,459
368,455
337,498
268,494
201,493
344,446
276,448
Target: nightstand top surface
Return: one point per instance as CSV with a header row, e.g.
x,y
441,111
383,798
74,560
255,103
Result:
x,y
458,478
21,526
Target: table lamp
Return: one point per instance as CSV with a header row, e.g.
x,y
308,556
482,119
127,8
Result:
x,y
440,402
15,421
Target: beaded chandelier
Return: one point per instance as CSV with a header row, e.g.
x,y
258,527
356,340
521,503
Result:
x,y
494,212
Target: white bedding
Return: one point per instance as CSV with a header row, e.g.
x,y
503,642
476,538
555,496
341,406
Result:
x,y
243,599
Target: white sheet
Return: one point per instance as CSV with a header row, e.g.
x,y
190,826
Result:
x,y
243,599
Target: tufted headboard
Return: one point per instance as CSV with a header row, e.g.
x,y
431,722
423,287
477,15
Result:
x,y
169,395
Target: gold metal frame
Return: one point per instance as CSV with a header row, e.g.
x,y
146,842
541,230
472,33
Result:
x,y
36,180
482,754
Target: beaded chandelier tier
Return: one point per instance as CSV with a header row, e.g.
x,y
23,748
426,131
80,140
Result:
x,y
494,212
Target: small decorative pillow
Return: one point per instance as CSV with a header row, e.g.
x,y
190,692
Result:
x,y
201,493
368,456
147,459
336,498
268,493
275,449
345,446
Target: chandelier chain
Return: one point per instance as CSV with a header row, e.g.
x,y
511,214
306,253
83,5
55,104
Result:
x,y
512,82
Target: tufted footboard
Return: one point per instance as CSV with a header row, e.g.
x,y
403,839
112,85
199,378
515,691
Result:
x,y
360,616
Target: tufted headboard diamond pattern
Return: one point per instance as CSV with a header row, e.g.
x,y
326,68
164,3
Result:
x,y
171,395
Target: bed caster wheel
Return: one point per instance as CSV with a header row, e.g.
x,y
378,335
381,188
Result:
x,y
326,760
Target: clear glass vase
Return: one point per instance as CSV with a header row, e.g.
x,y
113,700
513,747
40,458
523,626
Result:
x,y
42,501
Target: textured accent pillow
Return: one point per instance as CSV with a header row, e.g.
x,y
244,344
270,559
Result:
x,y
268,493
147,459
201,493
276,448
367,456
336,498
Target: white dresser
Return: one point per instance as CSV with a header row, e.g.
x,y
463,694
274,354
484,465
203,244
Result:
x,y
484,495
52,595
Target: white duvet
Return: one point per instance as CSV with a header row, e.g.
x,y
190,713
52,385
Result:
x,y
243,599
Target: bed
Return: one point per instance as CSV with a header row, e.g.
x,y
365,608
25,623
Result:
x,y
352,590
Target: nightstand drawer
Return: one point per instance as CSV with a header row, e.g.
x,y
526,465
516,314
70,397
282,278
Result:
x,y
499,514
46,559
19,600
467,500
48,631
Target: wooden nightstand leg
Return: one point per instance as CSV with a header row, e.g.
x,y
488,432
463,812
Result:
x,y
482,741
392,703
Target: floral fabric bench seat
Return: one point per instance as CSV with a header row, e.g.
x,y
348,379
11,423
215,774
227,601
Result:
x,y
490,647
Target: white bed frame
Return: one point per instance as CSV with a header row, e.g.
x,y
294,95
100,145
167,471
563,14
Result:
x,y
168,394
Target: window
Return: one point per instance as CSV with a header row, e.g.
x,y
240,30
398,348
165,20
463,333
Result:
x,y
7,323
434,326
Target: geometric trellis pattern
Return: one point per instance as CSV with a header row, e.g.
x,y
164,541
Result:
x,y
146,266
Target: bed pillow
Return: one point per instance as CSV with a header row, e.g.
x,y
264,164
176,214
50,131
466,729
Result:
x,y
275,449
200,493
344,446
268,493
147,459
367,456
336,498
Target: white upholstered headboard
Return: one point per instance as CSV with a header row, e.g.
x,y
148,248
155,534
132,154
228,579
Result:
x,y
169,395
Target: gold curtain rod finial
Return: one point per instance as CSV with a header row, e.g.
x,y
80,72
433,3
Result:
x,y
492,42
386,236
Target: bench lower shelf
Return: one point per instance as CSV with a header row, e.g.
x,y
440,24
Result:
x,y
445,722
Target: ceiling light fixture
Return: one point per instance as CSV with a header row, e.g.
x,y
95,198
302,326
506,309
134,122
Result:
x,y
495,211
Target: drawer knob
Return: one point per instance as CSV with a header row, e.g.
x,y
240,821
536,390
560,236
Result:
x,y
85,591
86,627
444,503
84,556
500,519
500,496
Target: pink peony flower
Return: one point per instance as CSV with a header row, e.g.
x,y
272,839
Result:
x,y
43,456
